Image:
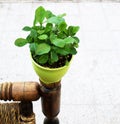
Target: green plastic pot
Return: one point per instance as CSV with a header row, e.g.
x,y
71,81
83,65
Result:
x,y
50,75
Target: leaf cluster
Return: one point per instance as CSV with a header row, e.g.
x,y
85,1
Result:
x,y
50,37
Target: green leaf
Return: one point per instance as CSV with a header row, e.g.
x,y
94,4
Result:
x,y
40,31
42,48
70,49
76,45
72,30
43,59
29,39
61,35
52,37
69,40
20,42
62,15
55,20
26,28
76,39
62,26
35,21
37,28
49,14
33,33
40,14
43,37
48,27
53,56
32,47
60,51
58,42
75,29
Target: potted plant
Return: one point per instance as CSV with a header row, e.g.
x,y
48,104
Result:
x,y
52,44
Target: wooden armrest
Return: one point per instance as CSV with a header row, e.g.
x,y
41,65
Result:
x,y
20,91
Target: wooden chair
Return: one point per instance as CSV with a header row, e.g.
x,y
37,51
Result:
x,y
20,111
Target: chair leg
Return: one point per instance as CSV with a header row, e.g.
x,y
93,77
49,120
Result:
x,y
26,111
26,108
51,121
51,102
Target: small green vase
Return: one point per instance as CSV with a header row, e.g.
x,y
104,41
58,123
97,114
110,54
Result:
x,y
50,75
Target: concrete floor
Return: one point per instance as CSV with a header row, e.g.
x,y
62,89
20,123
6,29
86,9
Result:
x,y
91,88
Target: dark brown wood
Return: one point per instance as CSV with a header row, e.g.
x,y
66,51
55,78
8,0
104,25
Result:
x,y
31,91
51,121
20,91
50,100
27,115
51,85
26,108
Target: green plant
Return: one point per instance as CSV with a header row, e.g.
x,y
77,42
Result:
x,y
51,41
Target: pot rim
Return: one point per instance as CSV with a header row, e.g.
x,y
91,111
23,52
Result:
x,y
48,68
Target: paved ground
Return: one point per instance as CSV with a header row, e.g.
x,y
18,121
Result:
x,y
91,88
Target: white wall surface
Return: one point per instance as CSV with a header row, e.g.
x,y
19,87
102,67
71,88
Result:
x,y
91,88
59,0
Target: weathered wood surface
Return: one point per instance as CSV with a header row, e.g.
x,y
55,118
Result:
x,y
20,91
50,100
51,121
31,91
